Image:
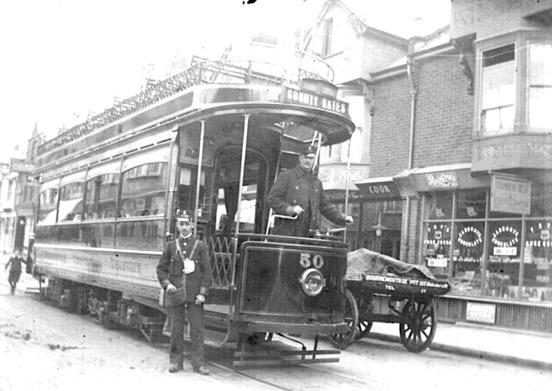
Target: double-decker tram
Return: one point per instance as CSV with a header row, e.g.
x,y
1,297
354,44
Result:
x,y
210,140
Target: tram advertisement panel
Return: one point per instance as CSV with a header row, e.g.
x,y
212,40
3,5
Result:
x,y
126,271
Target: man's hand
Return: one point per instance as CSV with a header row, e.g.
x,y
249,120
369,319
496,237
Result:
x,y
170,288
348,220
200,299
297,210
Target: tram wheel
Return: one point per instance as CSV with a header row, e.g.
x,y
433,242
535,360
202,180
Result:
x,y
254,339
343,340
419,326
82,301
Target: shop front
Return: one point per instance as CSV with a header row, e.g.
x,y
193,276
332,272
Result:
x,y
490,236
377,211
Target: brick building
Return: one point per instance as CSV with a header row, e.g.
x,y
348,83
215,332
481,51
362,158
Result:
x,y
459,160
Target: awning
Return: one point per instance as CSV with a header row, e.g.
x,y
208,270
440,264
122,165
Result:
x,y
438,178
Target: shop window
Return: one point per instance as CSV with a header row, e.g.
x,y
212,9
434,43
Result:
x,y
440,206
468,258
437,242
541,202
502,276
471,204
537,284
540,86
498,90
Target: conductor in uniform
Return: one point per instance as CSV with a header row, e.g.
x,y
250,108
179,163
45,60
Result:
x,y
186,260
299,193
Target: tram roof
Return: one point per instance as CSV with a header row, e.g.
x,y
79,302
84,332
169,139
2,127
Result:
x,y
200,91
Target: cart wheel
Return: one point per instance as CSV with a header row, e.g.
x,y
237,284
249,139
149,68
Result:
x,y
364,327
419,328
343,340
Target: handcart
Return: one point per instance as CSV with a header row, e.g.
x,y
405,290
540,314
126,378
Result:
x,y
383,289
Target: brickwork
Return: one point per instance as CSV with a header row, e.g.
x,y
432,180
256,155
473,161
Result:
x,y
390,127
443,122
444,113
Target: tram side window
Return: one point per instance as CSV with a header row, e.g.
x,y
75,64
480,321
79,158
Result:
x,y
70,204
143,191
187,192
48,206
101,196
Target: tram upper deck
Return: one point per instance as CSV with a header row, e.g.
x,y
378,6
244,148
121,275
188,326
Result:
x,y
202,87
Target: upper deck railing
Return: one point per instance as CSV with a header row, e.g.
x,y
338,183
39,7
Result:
x,y
202,71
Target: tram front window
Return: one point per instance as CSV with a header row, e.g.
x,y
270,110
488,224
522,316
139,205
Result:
x,y
227,208
254,186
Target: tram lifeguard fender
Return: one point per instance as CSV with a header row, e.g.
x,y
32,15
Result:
x,y
366,261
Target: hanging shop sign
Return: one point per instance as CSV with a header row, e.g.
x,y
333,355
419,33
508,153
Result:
x,y
510,195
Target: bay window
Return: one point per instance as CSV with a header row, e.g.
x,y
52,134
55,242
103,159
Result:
x,y
498,90
540,87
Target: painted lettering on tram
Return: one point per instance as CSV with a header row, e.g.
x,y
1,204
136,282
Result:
x,y
309,99
126,266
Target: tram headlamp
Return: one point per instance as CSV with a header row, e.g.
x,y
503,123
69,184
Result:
x,y
312,281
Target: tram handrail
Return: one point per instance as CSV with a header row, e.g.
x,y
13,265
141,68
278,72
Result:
x,y
273,218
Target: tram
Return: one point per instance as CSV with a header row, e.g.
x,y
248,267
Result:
x,y
210,140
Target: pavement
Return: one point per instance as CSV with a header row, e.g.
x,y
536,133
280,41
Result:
x,y
490,343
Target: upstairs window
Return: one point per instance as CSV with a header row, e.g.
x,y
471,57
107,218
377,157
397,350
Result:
x,y
498,90
540,87
327,37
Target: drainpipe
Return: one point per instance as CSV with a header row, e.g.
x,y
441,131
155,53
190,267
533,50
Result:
x,y
413,94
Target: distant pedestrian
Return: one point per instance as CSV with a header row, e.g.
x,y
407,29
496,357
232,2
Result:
x,y
15,269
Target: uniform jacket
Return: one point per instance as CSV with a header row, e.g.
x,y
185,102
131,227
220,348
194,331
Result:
x,y
170,267
297,187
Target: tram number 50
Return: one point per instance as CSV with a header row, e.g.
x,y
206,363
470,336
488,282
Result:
x,y
317,260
